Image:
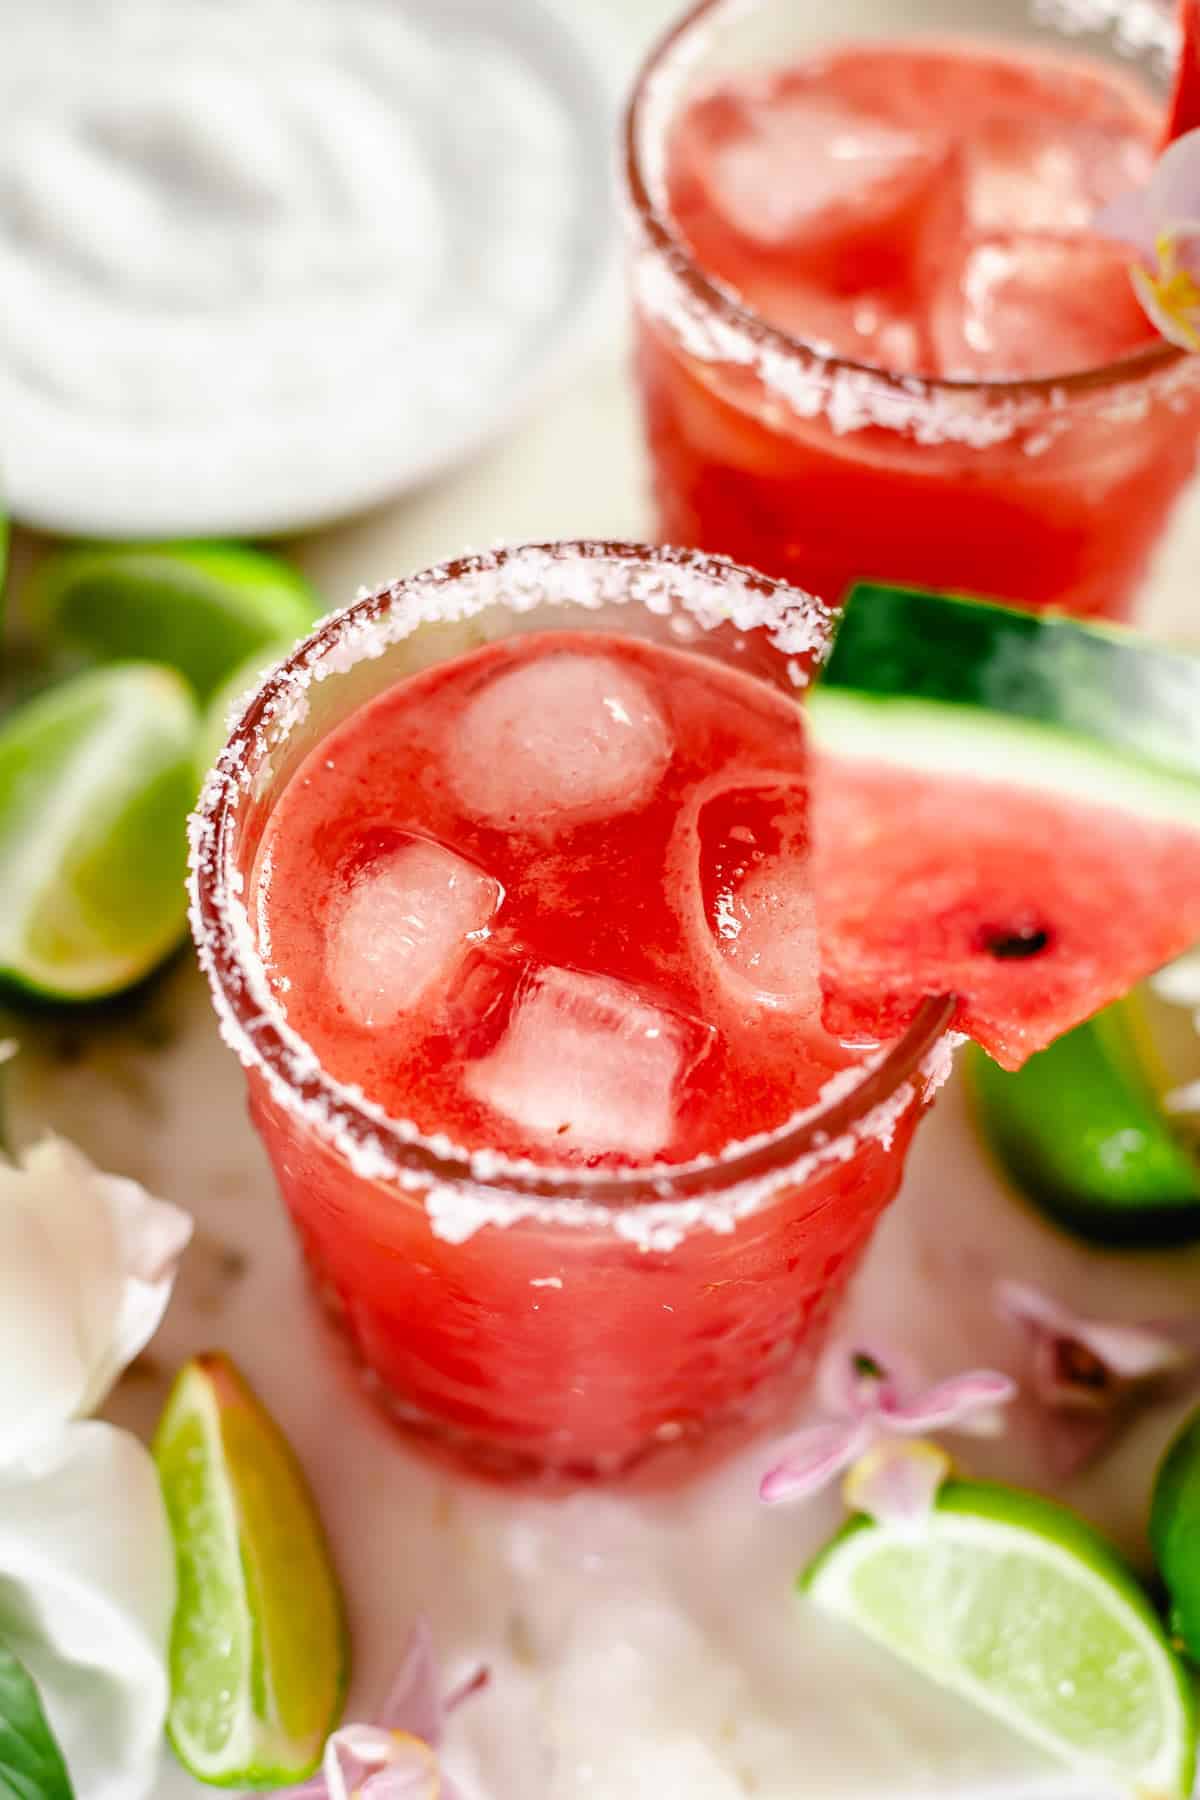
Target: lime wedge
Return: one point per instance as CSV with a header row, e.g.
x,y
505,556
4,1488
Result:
x,y
202,608
258,1649
97,777
1080,1129
1017,1605
1175,1533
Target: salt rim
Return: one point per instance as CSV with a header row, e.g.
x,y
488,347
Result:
x,y
653,1207
713,327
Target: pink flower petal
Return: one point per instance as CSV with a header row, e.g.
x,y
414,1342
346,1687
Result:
x,y
854,1376
1087,1377
1135,1352
952,1404
1128,1352
814,1459
897,1484
350,1754
1027,1305
1129,220
1174,190
414,1703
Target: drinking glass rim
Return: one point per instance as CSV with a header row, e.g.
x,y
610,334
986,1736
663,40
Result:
x,y
379,1146
670,243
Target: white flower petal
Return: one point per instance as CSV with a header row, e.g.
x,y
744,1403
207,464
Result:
x,y
152,1235
87,1590
64,1192
45,1371
108,1256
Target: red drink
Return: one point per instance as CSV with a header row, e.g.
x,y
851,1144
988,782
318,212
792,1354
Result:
x,y
877,336
546,901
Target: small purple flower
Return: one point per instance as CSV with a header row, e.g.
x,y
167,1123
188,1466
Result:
x,y
397,1758
872,1399
1162,223
1089,1376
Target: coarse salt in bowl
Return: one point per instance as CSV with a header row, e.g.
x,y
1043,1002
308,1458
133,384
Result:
x,y
261,267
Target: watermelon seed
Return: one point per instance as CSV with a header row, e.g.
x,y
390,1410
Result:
x,y
1014,946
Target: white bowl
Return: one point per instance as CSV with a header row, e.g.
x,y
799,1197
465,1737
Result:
x,y
145,390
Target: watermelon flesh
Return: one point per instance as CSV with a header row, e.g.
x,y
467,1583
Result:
x,y
1035,910
1005,808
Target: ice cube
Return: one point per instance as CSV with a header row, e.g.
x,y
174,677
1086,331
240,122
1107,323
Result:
x,y
1044,173
1035,304
805,165
589,1065
570,736
770,935
405,922
755,884
877,327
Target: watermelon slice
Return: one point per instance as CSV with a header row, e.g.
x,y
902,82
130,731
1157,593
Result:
x,y
1006,808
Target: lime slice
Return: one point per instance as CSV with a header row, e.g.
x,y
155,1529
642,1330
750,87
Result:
x,y
1017,1605
1175,1533
96,780
258,1649
1081,1131
202,608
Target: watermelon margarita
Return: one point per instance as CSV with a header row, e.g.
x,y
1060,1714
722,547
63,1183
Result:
x,y
502,885
876,334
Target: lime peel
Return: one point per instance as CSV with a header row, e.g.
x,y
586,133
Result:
x,y
96,781
259,1657
1016,1605
202,607
1175,1532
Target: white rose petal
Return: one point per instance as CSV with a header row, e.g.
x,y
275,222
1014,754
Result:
x,y
87,1262
87,1590
41,1368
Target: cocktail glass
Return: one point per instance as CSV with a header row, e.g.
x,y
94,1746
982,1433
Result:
x,y
1049,492
531,1319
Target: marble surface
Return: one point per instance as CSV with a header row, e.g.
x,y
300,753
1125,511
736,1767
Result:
x,y
646,1649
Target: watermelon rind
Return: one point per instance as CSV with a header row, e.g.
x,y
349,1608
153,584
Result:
x,y
1101,684
938,738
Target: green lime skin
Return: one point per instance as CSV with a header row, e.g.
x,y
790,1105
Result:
x,y
1080,1132
1175,1533
97,777
202,608
1017,1604
1104,683
259,1652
